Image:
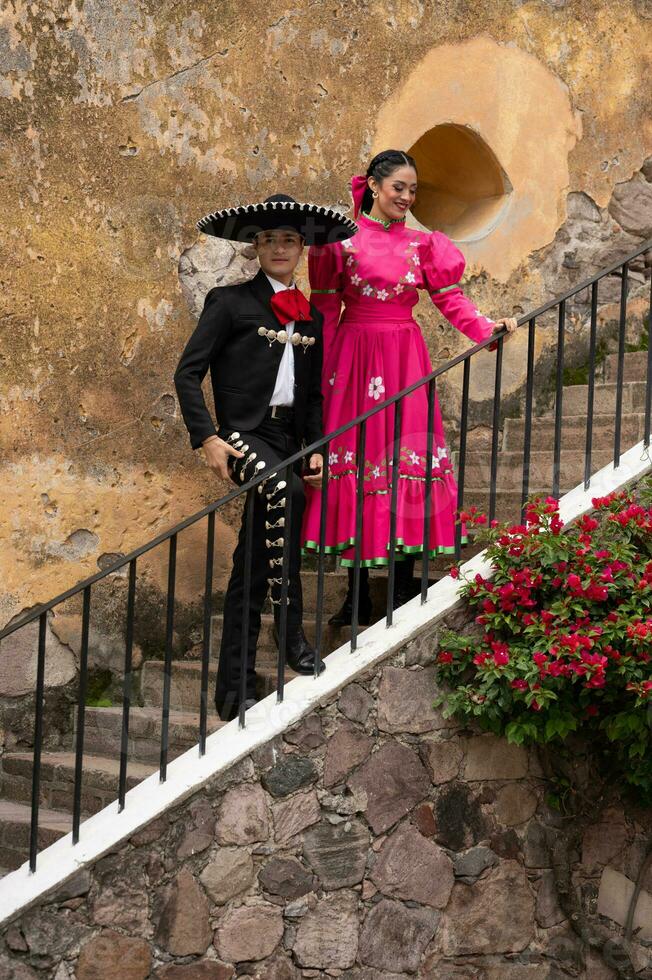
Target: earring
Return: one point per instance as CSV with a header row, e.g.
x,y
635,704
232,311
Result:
x,y
374,193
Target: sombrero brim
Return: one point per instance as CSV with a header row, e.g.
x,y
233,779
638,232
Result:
x,y
318,225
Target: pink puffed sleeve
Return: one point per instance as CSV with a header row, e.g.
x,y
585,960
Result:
x,y
326,273
442,268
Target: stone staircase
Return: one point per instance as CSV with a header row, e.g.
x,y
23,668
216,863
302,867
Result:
x,y
510,460
103,724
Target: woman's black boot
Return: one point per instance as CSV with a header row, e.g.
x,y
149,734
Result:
x,y
403,582
343,615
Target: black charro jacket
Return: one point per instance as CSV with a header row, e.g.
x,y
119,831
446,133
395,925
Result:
x,y
244,365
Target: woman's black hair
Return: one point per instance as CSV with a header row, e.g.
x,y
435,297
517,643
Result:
x,y
382,165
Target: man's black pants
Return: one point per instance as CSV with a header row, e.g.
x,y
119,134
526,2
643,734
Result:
x,y
269,444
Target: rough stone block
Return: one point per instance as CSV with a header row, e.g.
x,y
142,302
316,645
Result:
x,y
327,936
110,956
230,872
347,748
250,932
442,759
495,915
184,927
294,815
287,877
413,868
394,937
291,773
393,781
355,703
405,701
515,804
490,757
243,816
337,854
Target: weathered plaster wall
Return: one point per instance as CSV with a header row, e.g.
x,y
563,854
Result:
x,y
122,123
375,840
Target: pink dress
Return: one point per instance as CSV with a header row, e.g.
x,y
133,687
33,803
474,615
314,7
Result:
x,y
372,351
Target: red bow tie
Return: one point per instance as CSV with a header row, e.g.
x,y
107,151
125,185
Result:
x,y
291,304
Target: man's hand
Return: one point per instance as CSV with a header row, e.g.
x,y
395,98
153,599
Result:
x,y
217,453
315,469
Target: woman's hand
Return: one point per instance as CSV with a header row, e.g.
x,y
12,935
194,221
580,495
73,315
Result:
x,y
510,324
313,476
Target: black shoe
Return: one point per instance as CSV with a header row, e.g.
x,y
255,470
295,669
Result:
x,y
344,614
231,709
300,655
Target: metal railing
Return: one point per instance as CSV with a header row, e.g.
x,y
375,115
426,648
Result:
x,y
248,491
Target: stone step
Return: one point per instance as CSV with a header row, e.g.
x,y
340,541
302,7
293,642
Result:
x,y
104,728
99,783
15,819
575,398
635,367
573,432
510,468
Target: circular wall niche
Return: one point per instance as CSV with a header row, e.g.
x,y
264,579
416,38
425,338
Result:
x,y
463,190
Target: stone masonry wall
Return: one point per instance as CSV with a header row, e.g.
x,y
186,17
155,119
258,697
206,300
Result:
x,y
373,841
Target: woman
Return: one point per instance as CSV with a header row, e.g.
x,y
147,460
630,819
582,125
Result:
x,y
373,351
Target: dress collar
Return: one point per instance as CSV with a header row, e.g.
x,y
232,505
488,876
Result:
x,y
378,221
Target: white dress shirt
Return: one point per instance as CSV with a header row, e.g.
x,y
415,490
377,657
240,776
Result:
x,y
284,387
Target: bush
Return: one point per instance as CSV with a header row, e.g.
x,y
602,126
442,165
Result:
x,y
565,639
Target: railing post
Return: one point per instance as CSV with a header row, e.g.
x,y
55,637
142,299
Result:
x,y
126,686
81,715
246,603
207,636
648,388
622,327
590,394
396,465
495,431
323,511
559,398
38,740
529,398
359,506
167,669
430,436
461,474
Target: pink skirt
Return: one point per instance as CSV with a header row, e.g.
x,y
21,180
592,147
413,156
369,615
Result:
x,y
371,360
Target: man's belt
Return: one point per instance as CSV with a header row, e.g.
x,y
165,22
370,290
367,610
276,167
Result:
x,y
280,412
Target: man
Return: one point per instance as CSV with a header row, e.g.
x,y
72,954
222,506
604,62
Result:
x,y
262,342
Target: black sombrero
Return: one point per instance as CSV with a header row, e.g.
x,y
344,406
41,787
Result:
x,y
318,225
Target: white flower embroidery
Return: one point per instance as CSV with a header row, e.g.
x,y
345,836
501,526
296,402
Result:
x,y
409,277
348,456
333,458
415,459
382,294
350,260
331,380
376,471
347,244
398,288
376,387
356,280
441,452
414,244
367,290
416,260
